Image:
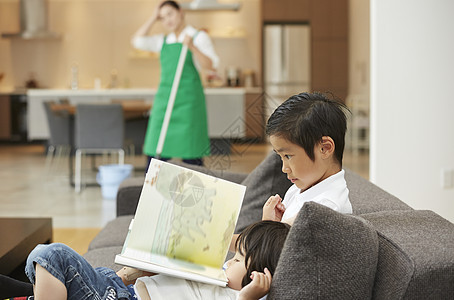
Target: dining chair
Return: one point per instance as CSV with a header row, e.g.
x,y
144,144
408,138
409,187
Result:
x,y
99,129
135,125
59,143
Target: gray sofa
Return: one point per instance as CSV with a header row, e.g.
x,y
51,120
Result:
x,y
385,250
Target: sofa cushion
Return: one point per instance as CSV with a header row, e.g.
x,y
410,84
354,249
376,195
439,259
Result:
x,y
264,181
416,257
113,234
104,257
327,255
366,197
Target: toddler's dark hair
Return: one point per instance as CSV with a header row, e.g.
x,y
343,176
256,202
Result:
x,y
261,245
305,118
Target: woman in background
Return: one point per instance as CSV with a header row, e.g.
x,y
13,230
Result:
x,y
187,134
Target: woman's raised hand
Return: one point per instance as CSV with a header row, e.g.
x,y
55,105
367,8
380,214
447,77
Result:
x,y
155,14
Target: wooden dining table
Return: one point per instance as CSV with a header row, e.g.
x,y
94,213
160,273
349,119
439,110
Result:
x,y
131,109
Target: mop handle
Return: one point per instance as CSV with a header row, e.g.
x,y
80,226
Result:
x,y
171,102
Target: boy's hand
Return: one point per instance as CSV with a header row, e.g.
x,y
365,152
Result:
x,y
258,287
273,209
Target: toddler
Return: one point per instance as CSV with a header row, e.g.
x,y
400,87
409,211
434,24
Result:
x,y
58,272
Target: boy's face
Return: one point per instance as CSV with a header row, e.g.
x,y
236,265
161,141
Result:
x,y
236,270
300,169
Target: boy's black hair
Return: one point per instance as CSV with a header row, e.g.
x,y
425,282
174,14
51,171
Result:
x,y
261,245
174,4
305,118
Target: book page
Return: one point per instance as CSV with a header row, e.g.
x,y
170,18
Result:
x,y
184,215
155,261
197,273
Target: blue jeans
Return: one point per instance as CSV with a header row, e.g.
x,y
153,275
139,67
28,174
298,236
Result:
x,y
82,281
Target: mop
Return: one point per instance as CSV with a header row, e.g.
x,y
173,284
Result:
x,y
171,102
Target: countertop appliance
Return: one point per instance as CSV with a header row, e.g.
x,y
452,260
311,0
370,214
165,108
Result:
x,y
286,60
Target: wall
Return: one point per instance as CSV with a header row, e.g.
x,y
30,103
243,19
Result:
x,y
411,100
96,35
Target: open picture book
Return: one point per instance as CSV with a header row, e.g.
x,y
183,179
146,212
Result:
x,y
183,224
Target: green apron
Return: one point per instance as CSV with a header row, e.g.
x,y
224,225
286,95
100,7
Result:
x,y
187,135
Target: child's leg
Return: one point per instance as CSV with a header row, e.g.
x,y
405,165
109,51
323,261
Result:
x,y
45,282
79,278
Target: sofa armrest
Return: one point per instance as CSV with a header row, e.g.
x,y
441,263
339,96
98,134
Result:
x,y
128,195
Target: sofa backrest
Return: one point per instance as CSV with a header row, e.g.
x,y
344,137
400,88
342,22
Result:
x,y
267,179
366,197
416,259
264,181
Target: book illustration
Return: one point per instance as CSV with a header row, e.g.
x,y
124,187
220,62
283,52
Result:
x,y
188,206
184,220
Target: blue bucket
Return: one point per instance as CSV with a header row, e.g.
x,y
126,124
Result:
x,y
110,177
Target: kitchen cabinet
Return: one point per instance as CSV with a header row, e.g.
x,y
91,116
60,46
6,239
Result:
x,y
13,116
233,113
286,10
5,118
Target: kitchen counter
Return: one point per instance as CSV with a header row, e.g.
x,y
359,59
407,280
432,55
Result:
x,y
12,91
90,92
134,91
232,112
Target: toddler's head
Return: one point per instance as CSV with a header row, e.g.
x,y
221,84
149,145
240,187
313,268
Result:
x,y
257,247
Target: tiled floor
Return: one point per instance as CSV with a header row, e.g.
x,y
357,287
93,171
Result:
x,y
28,190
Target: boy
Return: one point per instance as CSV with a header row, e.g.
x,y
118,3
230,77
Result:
x,y
307,131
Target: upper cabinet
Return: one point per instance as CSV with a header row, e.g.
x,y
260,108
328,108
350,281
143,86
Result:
x,y
328,20
286,10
